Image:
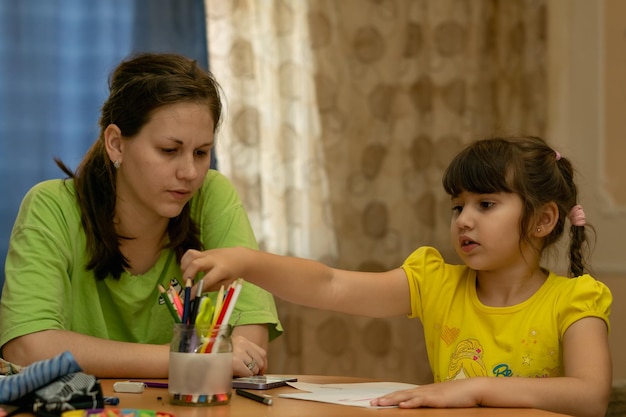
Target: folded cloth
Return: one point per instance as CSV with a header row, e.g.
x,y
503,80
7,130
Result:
x,y
36,375
8,368
70,392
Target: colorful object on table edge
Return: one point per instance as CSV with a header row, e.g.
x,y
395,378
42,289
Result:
x,y
116,412
215,399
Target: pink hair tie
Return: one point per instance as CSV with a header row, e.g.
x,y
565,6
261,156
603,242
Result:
x,y
558,155
577,216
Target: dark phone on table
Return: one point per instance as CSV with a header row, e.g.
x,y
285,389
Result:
x,y
262,381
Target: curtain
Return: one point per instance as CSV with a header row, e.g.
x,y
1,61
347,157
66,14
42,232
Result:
x,y
55,58
270,145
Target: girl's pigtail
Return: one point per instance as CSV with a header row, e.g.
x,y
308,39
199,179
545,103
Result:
x,y
578,241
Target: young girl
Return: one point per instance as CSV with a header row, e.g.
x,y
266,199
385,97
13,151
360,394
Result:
x,y
501,330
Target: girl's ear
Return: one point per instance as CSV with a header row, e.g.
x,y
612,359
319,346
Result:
x,y
113,143
547,219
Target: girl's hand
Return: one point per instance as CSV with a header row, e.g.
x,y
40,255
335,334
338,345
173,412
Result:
x,y
220,266
450,394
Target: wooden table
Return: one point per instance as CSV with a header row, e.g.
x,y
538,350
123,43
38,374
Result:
x,y
157,399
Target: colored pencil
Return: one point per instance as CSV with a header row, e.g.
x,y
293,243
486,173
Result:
x,y
169,304
178,303
196,303
187,301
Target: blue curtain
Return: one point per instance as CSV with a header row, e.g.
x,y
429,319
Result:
x,y
55,58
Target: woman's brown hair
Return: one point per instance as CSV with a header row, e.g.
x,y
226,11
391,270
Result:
x,y
138,86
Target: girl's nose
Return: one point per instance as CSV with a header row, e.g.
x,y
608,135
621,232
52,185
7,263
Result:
x,y
464,220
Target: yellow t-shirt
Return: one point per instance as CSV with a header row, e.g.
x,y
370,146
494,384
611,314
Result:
x,y
465,338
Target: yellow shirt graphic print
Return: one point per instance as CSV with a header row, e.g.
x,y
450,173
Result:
x,y
467,360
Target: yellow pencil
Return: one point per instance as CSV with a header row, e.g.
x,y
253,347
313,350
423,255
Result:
x,y
218,305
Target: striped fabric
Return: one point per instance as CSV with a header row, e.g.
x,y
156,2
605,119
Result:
x,y
36,375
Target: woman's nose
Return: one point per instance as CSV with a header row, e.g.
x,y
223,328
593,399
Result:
x,y
187,169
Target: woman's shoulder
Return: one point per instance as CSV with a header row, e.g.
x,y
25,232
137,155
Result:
x,y
216,183
214,178
216,192
49,205
55,191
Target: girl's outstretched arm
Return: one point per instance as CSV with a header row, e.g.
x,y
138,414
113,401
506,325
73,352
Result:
x,y
584,390
303,281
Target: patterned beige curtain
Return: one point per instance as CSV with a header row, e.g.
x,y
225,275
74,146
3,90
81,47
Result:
x,y
377,95
270,144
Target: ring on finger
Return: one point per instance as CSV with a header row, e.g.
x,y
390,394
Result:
x,y
251,365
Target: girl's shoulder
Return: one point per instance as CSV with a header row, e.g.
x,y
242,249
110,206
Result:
x,y
428,261
584,285
579,297
428,255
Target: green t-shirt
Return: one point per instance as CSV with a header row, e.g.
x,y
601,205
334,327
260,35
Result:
x,y
47,285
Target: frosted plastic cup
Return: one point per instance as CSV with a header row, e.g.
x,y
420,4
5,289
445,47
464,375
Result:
x,y
201,365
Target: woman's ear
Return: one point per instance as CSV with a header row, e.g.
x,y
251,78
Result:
x,y
113,143
547,219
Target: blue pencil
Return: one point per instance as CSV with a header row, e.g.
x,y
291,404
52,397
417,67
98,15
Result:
x,y
195,305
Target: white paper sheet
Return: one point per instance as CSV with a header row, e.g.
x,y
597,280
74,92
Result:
x,y
356,394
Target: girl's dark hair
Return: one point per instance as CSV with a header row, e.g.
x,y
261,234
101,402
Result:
x,y
530,168
138,86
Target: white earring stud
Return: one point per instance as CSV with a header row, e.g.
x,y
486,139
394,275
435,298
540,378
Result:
x,y
117,164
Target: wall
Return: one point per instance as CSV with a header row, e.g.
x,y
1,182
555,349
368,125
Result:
x,y
587,90
614,89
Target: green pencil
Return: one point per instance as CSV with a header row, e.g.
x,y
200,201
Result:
x,y
169,304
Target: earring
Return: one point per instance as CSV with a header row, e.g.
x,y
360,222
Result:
x,y
117,164
539,230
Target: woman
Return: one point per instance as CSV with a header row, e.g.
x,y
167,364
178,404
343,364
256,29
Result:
x,y
87,254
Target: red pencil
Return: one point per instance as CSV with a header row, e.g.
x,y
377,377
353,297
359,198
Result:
x,y
176,300
229,296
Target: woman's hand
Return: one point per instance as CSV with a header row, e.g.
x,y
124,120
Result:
x,y
248,358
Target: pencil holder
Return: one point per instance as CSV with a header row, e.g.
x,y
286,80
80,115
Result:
x,y
201,365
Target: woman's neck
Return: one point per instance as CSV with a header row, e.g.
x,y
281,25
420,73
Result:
x,y
142,242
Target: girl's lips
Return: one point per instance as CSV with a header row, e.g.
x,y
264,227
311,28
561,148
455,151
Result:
x,y
468,247
466,244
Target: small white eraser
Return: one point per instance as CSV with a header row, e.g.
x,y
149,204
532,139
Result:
x,y
128,386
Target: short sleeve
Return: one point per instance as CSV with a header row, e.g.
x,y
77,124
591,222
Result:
x,y
425,262
587,297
